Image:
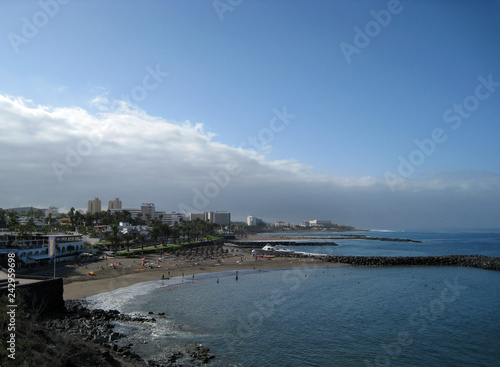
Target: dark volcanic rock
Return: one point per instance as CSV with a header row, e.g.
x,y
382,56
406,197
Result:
x,y
201,354
96,325
472,261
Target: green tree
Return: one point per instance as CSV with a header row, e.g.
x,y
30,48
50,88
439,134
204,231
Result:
x,y
128,237
142,240
13,221
175,232
30,225
155,233
114,237
165,231
78,220
71,215
3,218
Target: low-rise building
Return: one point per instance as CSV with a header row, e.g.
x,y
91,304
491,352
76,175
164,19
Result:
x,y
34,249
318,222
254,221
172,217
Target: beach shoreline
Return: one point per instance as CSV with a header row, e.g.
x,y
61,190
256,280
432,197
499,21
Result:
x,y
130,271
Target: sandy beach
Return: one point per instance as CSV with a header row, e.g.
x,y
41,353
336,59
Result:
x,y
117,272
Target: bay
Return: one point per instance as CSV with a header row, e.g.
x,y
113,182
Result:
x,y
332,315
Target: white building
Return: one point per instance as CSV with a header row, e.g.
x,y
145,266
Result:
x,y
222,218
251,220
148,212
254,221
317,222
36,249
219,217
172,217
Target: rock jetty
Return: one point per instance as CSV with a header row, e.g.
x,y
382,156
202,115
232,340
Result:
x,y
471,261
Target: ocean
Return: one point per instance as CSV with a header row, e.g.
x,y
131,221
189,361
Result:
x,y
330,315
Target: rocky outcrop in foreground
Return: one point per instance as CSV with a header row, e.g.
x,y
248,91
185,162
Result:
x,y
97,326
471,261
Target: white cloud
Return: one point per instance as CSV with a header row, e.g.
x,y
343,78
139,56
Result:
x,y
65,155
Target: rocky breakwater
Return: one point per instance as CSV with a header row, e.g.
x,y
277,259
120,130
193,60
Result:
x,y
471,261
97,326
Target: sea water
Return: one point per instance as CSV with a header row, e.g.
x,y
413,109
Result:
x,y
329,315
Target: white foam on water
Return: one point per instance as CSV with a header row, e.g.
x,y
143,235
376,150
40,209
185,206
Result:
x,y
117,298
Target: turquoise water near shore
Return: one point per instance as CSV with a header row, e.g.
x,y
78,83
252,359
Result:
x,y
331,315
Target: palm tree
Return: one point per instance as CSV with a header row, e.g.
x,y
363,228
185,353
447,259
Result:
x,y
155,233
12,222
126,216
71,215
142,240
175,233
114,237
128,237
30,225
165,231
78,219
3,218
88,219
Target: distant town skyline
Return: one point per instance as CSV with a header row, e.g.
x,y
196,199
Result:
x,y
377,114
218,216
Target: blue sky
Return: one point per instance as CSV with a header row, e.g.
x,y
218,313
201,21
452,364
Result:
x,y
355,117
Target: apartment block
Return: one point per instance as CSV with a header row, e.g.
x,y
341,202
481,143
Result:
x,y
94,206
114,204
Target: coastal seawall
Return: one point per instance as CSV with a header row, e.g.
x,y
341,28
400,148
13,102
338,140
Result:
x,y
38,294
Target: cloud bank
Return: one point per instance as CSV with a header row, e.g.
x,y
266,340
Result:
x,y
64,156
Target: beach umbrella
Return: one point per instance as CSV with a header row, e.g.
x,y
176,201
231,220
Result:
x,y
143,259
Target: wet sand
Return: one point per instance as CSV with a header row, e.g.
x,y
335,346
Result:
x,y
132,271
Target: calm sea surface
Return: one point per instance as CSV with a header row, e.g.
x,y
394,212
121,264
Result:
x,y
332,315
